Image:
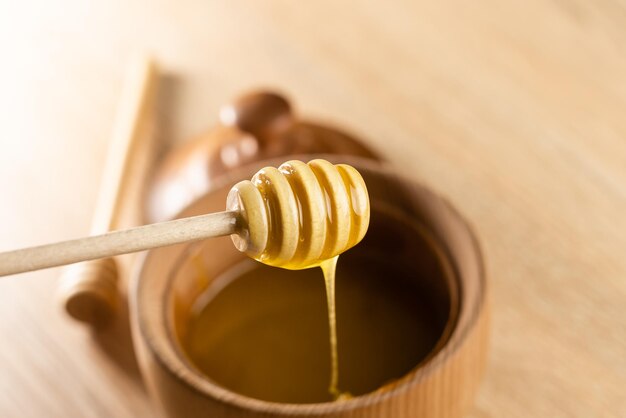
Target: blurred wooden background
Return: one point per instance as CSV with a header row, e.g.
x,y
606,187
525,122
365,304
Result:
x,y
515,110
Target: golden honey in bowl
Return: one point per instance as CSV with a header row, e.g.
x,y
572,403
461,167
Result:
x,y
264,332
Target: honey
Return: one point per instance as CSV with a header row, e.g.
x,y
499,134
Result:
x,y
329,269
264,332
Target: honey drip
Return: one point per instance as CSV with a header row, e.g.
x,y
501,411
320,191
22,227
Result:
x,y
329,267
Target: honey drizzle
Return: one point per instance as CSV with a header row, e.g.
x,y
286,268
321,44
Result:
x,y
328,268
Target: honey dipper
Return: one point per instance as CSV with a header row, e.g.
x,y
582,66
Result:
x,y
294,216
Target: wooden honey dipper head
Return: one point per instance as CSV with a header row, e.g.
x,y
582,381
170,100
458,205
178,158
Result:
x,y
300,214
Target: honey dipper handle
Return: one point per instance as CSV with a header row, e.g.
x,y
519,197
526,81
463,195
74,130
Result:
x,y
118,242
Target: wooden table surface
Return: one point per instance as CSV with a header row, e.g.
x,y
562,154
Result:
x,y
515,110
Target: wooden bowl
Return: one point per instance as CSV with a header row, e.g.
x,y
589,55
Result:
x,y
441,384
